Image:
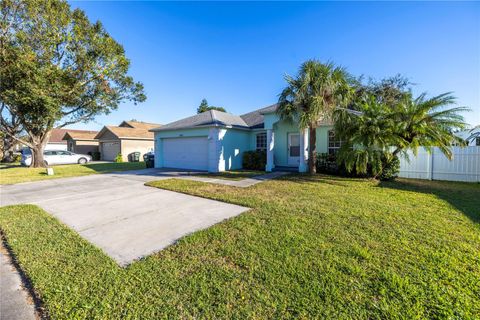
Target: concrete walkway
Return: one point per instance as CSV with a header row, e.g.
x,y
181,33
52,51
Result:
x,y
244,183
15,301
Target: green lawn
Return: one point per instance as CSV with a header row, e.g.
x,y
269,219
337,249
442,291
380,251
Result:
x,y
232,175
311,247
19,174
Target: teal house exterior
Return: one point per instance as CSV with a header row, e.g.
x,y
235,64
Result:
x,y
215,141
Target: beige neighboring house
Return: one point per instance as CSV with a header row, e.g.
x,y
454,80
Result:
x,y
81,141
128,137
57,141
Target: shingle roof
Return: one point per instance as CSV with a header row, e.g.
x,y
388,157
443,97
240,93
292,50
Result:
x,y
58,134
140,125
125,132
80,135
204,119
254,119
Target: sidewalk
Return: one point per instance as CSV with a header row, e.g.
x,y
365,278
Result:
x,y
15,301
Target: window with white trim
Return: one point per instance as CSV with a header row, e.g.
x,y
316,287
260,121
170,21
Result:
x,y
334,144
261,141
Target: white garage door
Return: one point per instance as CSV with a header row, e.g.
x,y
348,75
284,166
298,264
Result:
x,y
110,150
186,153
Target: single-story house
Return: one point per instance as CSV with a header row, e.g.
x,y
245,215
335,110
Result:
x,y
124,139
56,141
215,141
81,141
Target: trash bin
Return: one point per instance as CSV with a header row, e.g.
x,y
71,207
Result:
x,y
149,159
134,157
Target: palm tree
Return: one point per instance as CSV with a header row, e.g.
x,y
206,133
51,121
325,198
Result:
x,y
428,123
383,131
311,96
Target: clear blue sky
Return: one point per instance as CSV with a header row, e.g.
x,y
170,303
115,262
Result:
x,y
235,54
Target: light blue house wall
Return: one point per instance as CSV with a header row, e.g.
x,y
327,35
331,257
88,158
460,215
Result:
x,y
234,143
322,138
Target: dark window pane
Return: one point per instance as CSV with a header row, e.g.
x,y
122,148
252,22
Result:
x,y
295,151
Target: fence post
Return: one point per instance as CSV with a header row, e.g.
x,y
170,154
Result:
x,y
430,174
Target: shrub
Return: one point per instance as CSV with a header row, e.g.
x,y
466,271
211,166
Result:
x,y
329,164
95,155
17,157
390,169
118,158
254,160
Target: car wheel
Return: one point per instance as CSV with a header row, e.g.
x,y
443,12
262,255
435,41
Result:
x,y
82,161
46,163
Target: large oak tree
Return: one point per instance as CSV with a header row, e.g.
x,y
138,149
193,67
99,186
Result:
x,y
58,68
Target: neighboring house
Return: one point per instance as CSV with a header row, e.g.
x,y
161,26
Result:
x,y
128,137
471,136
56,141
81,141
215,141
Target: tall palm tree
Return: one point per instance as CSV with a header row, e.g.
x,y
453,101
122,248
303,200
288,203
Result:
x,y
311,96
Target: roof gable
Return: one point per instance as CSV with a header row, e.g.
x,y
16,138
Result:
x,y
139,125
76,135
112,132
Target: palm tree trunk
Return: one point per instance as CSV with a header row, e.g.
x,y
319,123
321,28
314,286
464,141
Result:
x,y
312,150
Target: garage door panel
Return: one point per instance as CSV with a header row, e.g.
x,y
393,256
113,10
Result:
x,y
186,153
110,150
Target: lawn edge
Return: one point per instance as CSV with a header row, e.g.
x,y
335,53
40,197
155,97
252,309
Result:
x,y
74,176
27,284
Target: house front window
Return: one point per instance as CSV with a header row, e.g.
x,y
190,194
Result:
x,y
334,144
261,141
477,141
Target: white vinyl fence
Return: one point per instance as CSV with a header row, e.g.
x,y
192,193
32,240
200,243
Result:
x,y
465,165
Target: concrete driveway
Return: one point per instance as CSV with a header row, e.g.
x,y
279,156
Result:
x,y
120,215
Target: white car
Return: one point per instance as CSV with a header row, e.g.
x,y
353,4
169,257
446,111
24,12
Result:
x,y
52,157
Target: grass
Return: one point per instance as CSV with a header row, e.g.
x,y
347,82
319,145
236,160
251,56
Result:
x,y
311,247
5,165
232,175
19,174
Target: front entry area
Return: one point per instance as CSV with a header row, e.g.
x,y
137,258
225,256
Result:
x,y
186,153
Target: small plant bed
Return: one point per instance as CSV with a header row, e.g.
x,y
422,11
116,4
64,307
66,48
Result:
x,y
232,175
24,174
310,247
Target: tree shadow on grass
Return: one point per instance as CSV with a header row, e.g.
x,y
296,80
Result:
x,y
115,166
461,195
320,178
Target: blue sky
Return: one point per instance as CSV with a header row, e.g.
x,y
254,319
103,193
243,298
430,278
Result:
x,y
236,54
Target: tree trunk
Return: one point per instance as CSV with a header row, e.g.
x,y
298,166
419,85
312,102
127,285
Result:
x,y
8,145
37,156
37,151
312,150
